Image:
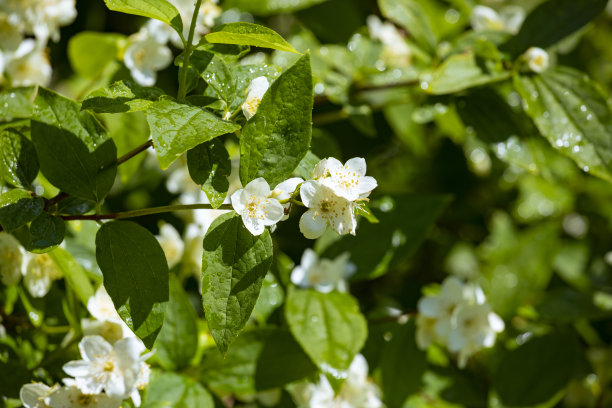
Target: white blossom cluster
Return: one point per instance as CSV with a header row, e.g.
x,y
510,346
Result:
x,y
459,318
331,197
323,275
508,19
112,368
37,270
25,28
147,51
358,391
395,47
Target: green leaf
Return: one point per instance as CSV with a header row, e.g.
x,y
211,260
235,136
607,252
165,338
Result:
x,y
329,327
161,10
209,164
18,161
401,230
552,21
410,15
275,140
74,274
18,207
548,361
171,390
135,275
249,34
457,73
16,103
46,231
90,52
259,360
402,364
233,267
75,152
573,114
122,96
268,7
177,127
177,341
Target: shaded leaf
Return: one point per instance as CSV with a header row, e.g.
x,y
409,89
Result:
x,y
90,52
135,275
209,165
18,161
18,207
122,96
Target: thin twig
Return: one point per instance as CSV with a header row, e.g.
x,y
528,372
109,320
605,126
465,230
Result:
x,y
144,211
130,154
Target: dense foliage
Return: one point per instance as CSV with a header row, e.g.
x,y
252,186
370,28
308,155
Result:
x,y
305,203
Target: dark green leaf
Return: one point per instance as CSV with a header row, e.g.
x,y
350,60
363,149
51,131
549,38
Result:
x,y
209,165
176,128
249,34
46,231
402,365
401,231
135,275
268,7
329,327
233,267
75,152
18,161
18,207
177,341
552,21
160,10
90,52
573,114
275,140
170,390
122,96
536,371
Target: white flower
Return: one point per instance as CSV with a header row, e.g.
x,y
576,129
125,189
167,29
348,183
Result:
x,y
113,369
101,307
325,208
144,373
110,330
442,306
39,274
71,396
144,56
160,31
42,18
284,190
356,392
254,94
509,19
323,275
11,259
537,59
396,50
29,65
209,11
348,180
172,244
35,395
484,18
10,34
475,327
256,207
426,331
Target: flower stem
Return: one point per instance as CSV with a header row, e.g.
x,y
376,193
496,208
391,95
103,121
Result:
x,y
182,91
144,211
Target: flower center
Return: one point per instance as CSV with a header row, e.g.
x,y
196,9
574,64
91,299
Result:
x,y
327,205
84,399
108,366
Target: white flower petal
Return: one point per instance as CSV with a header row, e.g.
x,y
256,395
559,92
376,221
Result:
x,y
93,346
312,226
308,192
258,187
